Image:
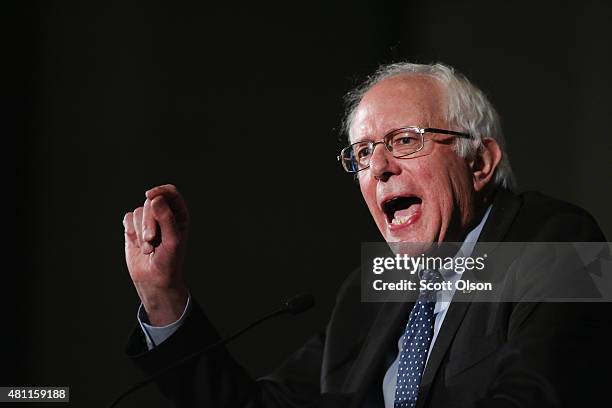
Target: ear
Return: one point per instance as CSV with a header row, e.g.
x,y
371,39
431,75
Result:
x,y
484,164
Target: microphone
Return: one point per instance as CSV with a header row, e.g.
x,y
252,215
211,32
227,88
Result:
x,y
295,305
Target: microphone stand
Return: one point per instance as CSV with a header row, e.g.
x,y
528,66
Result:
x,y
295,305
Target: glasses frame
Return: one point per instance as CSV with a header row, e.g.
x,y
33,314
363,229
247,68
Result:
x,y
388,136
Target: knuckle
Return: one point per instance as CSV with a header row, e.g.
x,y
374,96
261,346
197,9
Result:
x,y
158,200
127,220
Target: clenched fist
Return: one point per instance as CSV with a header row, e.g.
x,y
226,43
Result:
x,y
155,240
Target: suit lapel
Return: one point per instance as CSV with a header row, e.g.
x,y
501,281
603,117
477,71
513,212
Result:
x,y
454,316
503,213
505,208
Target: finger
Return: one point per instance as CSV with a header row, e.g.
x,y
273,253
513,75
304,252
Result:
x,y
161,189
128,230
167,222
137,222
174,200
145,246
149,227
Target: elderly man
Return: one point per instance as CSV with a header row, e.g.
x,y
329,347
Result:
x,y
427,149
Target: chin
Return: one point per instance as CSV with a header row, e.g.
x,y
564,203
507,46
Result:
x,y
410,239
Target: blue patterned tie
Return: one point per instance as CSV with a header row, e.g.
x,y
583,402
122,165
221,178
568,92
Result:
x,y
417,339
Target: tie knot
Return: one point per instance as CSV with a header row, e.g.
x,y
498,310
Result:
x,y
430,277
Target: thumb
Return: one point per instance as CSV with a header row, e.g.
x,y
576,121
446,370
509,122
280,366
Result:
x,y
164,216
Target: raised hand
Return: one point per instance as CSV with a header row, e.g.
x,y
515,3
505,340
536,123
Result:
x,y
155,241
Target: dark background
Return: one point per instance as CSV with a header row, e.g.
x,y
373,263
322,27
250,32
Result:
x,y
115,97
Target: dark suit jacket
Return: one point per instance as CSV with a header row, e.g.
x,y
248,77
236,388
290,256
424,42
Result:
x,y
486,354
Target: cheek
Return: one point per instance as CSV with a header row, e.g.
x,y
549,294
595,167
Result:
x,y
433,182
452,189
438,184
460,181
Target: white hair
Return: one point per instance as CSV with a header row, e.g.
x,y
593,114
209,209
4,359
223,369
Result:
x,y
467,110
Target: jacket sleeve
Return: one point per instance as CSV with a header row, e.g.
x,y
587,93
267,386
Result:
x,y
215,379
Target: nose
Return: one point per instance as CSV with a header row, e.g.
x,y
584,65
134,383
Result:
x,y
382,163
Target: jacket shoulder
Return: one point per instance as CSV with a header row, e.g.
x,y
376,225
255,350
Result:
x,y
543,218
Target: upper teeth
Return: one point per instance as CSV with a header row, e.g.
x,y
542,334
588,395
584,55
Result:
x,y
400,220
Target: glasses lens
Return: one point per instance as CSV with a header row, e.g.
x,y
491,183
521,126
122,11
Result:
x,y
356,157
405,142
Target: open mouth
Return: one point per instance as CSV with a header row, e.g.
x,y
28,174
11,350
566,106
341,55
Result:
x,y
401,210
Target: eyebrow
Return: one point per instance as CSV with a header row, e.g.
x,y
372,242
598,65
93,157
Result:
x,y
367,139
361,140
372,139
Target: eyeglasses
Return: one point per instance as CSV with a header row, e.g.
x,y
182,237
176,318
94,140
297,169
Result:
x,y
400,142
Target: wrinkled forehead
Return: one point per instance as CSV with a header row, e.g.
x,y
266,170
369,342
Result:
x,y
403,100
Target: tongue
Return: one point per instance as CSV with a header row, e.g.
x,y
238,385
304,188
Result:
x,y
406,212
